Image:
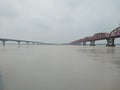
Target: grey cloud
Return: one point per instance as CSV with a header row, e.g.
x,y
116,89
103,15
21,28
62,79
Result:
x,y
57,20
64,20
7,14
41,25
7,10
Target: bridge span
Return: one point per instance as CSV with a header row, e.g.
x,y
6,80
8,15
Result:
x,y
110,37
19,41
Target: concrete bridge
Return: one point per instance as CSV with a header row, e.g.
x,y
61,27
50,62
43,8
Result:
x,y
110,37
19,41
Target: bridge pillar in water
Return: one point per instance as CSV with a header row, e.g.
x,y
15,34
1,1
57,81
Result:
x,y
37,43
92,43
33,43
27,43
110,42
78,43
3,43
18,44
84,43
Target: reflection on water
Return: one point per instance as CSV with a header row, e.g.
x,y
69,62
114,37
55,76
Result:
x,y
105,54
110,50
60,68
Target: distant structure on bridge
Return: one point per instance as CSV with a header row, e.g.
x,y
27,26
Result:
x,y
110,37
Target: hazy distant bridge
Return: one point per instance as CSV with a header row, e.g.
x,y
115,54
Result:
x,y
19,41
110,37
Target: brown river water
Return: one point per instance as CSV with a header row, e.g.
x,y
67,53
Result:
x,y
57,67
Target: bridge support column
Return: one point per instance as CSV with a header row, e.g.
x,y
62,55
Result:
x,y
84,43
27,43
18,43
78,43
92,43
110,42
36,43
33,43
3,43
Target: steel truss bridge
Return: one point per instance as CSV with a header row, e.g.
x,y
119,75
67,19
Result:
x,y
110,37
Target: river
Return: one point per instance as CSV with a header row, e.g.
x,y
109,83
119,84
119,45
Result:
x,y
59,67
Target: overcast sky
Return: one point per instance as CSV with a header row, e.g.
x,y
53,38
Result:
x,y
57,21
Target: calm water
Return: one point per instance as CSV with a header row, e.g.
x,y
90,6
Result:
x,y
59,68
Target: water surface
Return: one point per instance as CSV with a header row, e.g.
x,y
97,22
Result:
x,y
48,67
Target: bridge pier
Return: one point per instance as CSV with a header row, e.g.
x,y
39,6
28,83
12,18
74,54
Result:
x,y
33,43
3,43
18,43
110,42
27,43
78,43
84,43
37,43
92,43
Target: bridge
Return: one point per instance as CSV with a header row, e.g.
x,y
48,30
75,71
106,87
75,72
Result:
x,y
19,41
110,37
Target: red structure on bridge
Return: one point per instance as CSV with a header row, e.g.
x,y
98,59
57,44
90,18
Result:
x,y
110,37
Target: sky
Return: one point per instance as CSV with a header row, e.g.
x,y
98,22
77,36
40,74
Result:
x,y
57,21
